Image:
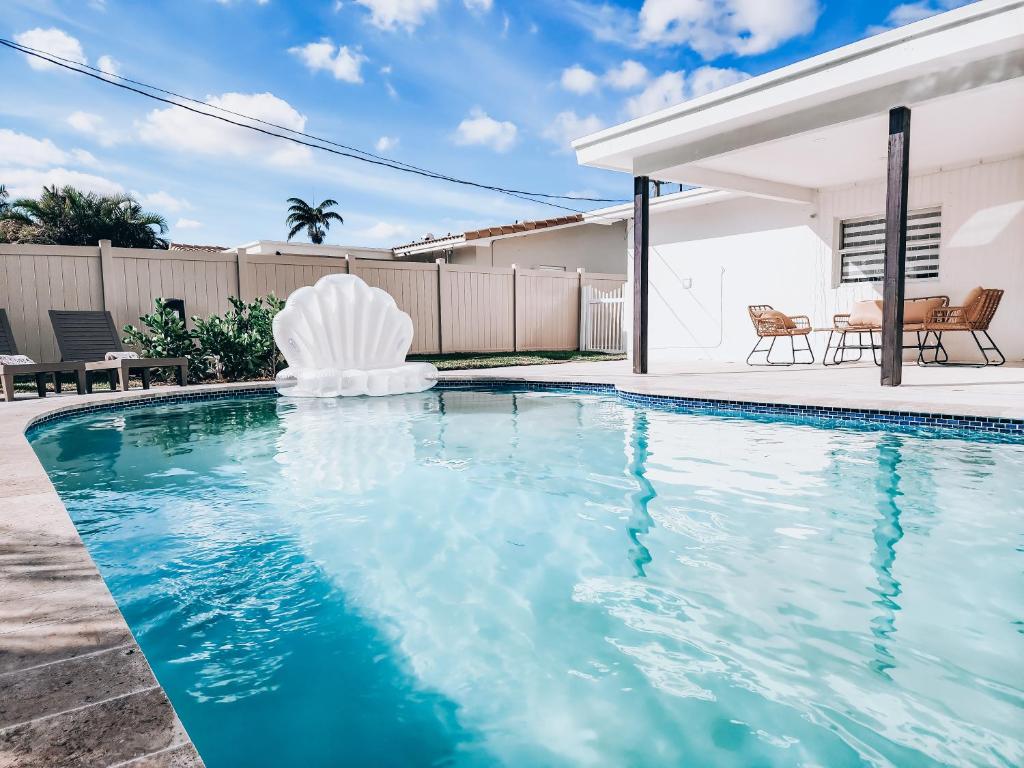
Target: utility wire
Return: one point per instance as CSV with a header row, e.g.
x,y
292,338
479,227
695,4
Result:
x,y
346,151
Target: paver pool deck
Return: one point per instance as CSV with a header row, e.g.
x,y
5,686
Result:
x,y
75,690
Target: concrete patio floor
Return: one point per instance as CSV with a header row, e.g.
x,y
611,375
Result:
x,y
989,392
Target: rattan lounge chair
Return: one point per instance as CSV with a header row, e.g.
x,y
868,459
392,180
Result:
x,y
974,317
89,335
27,367
866,318
771,324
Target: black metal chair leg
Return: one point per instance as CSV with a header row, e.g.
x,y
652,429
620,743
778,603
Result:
x,y
57,383
41,384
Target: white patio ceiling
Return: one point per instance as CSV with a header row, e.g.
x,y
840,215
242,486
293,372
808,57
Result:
x,y
823,122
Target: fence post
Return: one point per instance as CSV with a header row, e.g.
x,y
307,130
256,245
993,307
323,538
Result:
x,y
348,264
440,307
107,274
579,313
246,291
515,308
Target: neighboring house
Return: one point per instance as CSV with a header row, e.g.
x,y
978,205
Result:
x,y
191,247
565,243
281,247
792,167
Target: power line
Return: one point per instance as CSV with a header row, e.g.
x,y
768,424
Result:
x,y
343,151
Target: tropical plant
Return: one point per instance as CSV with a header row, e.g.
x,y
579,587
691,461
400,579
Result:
x,y
68,216
240,344
167,336
4,204
316,221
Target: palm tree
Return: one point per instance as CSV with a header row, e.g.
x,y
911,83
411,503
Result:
x,y
68,216
316,221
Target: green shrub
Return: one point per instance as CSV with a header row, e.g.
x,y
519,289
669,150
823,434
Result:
x,y
167,336
240,344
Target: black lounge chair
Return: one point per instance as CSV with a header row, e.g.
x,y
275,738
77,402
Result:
x,y
39,371
88,335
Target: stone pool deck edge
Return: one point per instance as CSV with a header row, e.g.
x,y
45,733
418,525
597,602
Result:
x,y
75,689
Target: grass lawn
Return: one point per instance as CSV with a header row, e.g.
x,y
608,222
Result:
x,y
504,359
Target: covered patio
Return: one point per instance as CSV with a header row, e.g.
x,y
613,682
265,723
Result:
x,y
924,123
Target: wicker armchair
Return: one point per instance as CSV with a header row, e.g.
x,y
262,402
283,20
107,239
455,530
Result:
x,y
974,317
769,323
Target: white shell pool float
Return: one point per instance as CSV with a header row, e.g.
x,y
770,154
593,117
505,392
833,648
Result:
x,y
343,338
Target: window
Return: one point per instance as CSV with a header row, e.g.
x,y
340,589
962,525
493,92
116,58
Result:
x,y
862,246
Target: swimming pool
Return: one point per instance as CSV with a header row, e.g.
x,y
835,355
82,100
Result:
x,y
551,579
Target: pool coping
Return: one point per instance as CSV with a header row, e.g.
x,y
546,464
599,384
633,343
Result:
x,y
58,619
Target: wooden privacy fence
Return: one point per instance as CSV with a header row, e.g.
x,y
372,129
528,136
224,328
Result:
x,y
454,307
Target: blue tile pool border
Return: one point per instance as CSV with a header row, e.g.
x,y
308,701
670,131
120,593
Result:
x,y
819,414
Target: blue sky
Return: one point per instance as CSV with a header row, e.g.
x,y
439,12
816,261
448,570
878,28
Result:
x,y
485,89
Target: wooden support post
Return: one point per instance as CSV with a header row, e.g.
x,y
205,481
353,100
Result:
x,y
895,246
641,242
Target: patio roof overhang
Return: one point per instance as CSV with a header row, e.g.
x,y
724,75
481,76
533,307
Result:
x,y
835,119
823,122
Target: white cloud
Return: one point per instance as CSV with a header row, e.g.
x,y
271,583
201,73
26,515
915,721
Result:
x,y
709,27
745,27
341,61
704,80
480,128
579,80
568,126
187,224
386,143
163,201
94,126
29,182
51,40
479,6
109,65
664,91
29,152
628,75
673,88
908,13
391,14
177,129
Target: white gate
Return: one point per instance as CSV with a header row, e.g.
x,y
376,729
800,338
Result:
x,y
601,327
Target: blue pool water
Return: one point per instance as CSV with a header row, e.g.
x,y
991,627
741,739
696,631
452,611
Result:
x,y
474,578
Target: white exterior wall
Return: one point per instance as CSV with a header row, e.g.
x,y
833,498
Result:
x,y
708,263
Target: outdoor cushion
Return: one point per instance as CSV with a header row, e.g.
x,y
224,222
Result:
x,y
780,317
16,360
121,356
866,313
916,311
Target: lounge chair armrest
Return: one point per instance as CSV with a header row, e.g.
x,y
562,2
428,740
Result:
x,y
841,320
802,321
947,315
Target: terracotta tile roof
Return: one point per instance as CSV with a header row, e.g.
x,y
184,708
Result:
x,y
503,229
523,226
190,247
